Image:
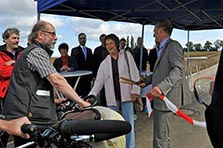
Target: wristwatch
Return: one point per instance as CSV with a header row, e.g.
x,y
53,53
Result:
x,y
2,117
13,62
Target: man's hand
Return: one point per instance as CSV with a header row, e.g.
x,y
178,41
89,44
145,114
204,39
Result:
x,y
84,104
155,92
14,127
60,100
65,68
141,83
134,97
11,62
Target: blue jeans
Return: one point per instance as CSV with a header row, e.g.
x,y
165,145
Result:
x,y
128,114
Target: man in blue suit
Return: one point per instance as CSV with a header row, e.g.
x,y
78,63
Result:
x,y
84,58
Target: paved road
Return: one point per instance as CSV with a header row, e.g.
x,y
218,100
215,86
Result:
x,y
183,134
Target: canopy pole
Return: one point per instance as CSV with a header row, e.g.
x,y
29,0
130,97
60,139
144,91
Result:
x,y
38,14
141,50
38,17
188,50
189,70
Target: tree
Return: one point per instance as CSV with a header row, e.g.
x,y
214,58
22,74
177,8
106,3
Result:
x,y
218,44
197,47
189,45
132,42
207,46
127,41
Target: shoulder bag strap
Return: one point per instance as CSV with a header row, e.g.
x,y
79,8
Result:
x,y
127,61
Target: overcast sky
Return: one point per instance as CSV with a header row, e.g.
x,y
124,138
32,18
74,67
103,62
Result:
x,y
22,14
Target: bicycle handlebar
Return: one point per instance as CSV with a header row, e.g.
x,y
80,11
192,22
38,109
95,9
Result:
x,y
70,105
28,128
98,130
101,129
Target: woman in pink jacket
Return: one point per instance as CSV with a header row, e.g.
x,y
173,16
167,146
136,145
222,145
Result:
x,y
119,96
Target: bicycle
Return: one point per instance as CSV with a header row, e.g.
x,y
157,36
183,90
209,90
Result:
x,y
75,133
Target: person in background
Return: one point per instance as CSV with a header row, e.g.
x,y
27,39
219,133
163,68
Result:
x,y
99,55
122,44
118,96
129,49
34,72
137,57
137,52
152,58
9,53
168,79
65,62
84,58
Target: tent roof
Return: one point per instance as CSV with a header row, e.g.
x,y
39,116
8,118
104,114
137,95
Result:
x,y
184,14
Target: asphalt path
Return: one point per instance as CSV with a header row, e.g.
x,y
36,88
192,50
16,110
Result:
x,y
183,134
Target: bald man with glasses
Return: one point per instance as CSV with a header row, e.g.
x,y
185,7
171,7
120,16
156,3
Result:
x,y
30,91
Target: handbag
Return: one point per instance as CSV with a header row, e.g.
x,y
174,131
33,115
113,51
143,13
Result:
x,y
138,102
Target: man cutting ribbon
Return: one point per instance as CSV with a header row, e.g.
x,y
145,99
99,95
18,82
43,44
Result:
x,y
168,79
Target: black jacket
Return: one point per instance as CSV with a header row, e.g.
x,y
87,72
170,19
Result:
x,y
214,112
136,54
152,58
99,55
84,85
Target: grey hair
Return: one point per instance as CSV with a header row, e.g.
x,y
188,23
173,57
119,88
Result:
x,y
40,25
8,32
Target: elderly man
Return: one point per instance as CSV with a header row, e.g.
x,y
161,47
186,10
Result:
x,y
30,91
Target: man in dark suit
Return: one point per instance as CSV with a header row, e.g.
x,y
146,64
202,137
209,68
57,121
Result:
x,y
152,58
137,54
99,55
84,58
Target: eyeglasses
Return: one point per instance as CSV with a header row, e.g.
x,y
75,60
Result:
x,y
51,33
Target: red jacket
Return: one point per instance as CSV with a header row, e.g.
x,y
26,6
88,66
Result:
x,y
5,70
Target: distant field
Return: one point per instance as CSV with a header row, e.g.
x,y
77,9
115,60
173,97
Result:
x,y
212,59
